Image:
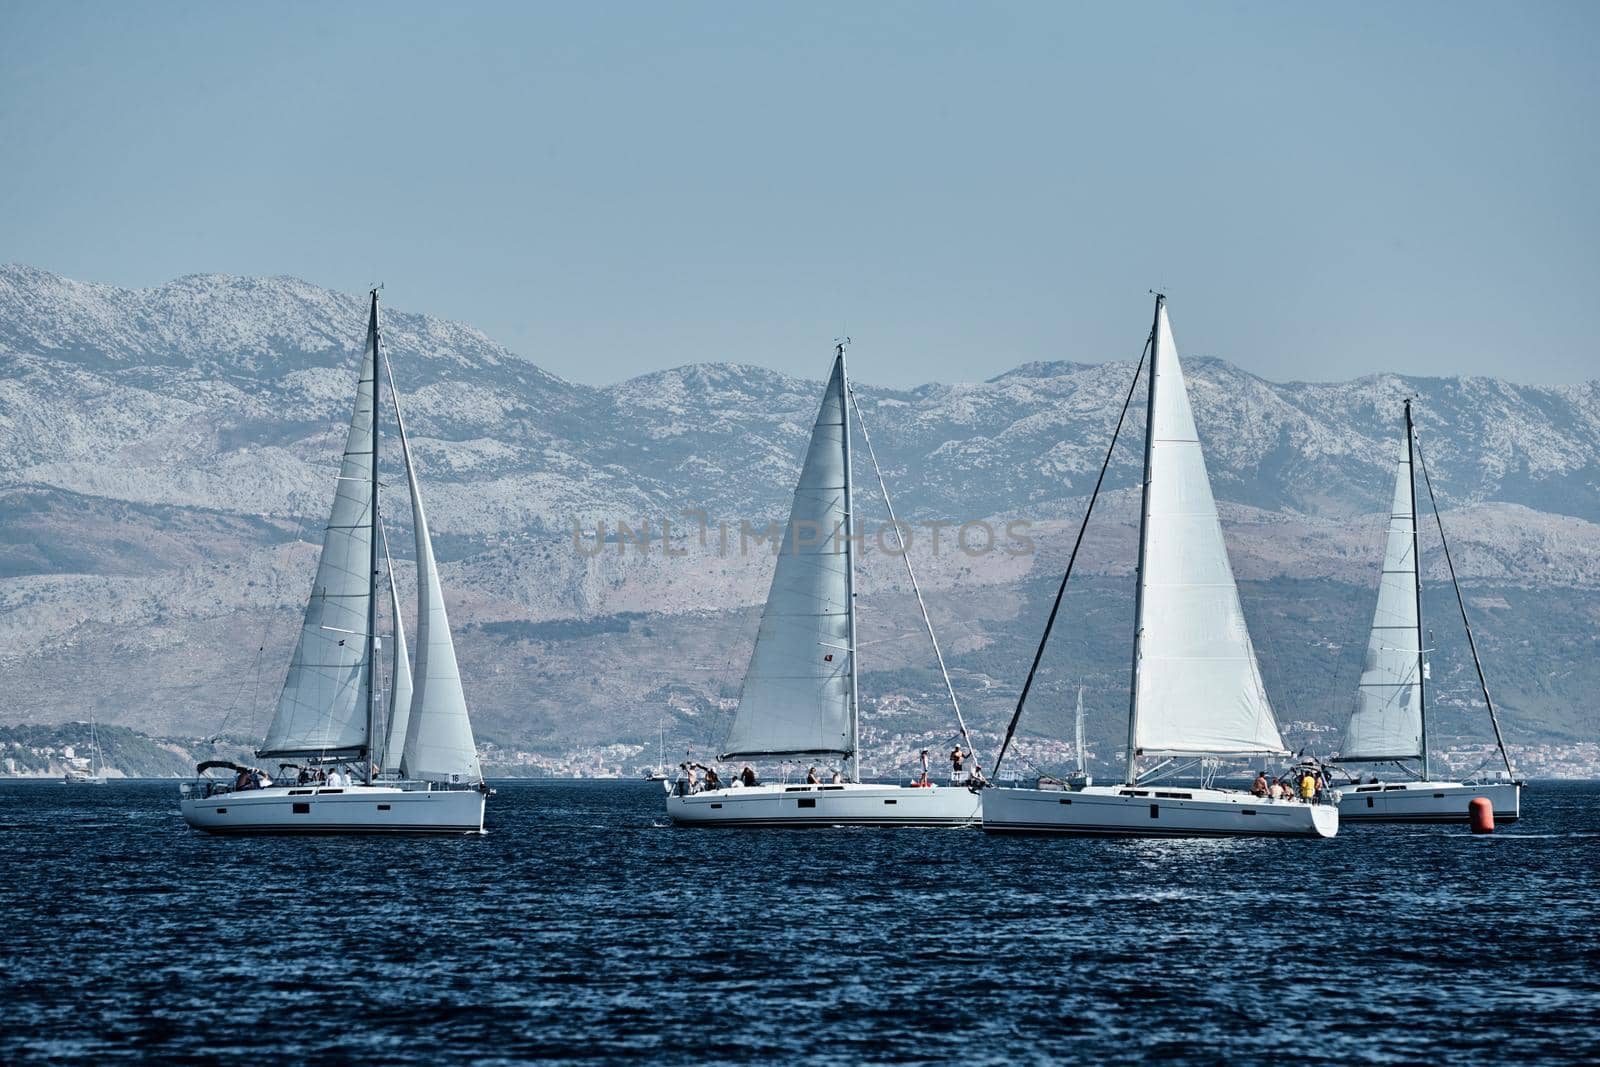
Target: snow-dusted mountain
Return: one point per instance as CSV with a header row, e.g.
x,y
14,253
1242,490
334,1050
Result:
x,y
164,452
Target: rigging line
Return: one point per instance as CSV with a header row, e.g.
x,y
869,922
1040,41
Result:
x,y
905,555
1022,697
1472,644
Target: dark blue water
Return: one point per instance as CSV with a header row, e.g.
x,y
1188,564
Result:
x,y
583,928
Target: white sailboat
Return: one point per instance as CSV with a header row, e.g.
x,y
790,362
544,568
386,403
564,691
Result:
x,y
1390,720
86,770
800,694
429,779
1197,694
659,772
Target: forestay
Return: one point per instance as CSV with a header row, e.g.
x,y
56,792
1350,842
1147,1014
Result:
x,y
796,695
439,746
1198,684
1387,722
323,707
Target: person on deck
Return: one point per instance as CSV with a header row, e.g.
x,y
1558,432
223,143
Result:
x,y
335,779
957,762
747,776
1258,788
836,778
712,781
1308,787
812,777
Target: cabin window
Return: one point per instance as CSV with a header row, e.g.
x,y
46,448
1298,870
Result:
x,y
807,802
1369,802
222,811
1065,800
716,805
383,807
302,808
299,792
330,790
1155,811
1247,811
891,802
1438,796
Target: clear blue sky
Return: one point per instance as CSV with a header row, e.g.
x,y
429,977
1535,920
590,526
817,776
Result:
x,y
1324,189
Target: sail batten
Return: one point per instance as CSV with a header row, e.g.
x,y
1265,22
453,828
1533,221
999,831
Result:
x,y
1387,721
796,698
1197,687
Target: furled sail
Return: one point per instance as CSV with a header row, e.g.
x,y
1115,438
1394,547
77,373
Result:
x,y
323,707
439,746
1387,722
400,677
1198,685
796,696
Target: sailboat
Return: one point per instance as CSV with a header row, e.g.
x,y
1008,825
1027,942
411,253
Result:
x,y
1196,693
800,695
659,772
90,770
1080,776
1390,720
423,775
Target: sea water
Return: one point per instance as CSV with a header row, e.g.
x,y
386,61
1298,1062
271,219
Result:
x,y
583,927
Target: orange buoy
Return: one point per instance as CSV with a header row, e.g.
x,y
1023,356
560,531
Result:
x,y
1481,813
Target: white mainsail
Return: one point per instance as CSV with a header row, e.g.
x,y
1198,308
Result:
x,y
1198,687
400,677
323,707
1387,722
439,745
798,689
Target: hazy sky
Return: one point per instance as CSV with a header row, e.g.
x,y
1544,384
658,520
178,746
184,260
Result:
x,y
1324,189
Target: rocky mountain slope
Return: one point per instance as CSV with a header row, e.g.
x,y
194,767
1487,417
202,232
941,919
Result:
x,y
167,455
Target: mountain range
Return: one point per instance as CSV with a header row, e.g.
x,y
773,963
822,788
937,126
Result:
x,y
167,456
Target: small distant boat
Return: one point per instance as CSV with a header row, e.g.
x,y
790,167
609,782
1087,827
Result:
x,y
1390,721
423,776
91,769
799,698
1197,695
1080,776
659,772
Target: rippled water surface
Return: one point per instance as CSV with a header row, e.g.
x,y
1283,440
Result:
x,y
584,928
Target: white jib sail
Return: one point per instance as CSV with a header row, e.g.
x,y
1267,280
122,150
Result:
x,y
400,675
439,746
1199,685
796,695
1387,722
323,707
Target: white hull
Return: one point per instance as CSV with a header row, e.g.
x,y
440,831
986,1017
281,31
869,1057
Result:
x,y
1426,801
339,810
1153,812
829,805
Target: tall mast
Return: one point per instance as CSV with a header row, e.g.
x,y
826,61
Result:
x,y
372,568
1144,540
849,569
1416,569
